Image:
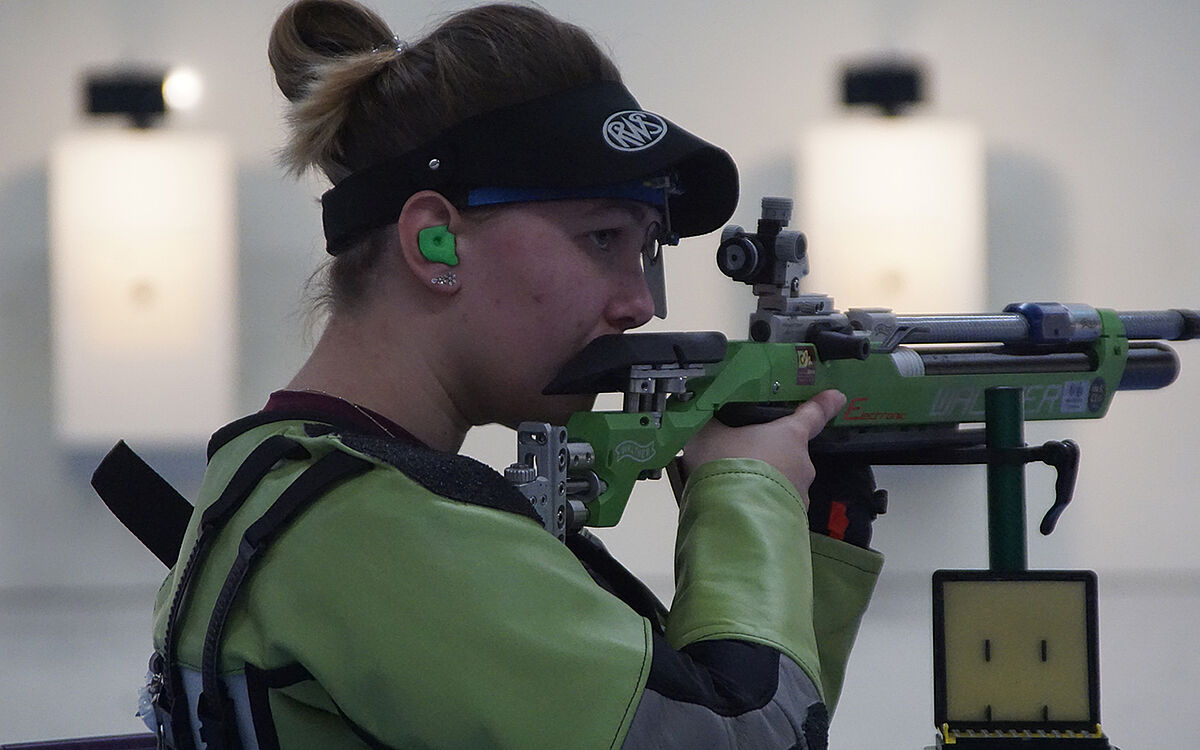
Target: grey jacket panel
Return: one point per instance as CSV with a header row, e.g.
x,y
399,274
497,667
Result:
x,y
793,719
235,686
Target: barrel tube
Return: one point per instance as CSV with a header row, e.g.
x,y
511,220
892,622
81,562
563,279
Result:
x,y
1169,325
1014,327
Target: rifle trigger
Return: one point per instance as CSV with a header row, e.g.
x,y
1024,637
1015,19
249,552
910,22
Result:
x,y
1063,455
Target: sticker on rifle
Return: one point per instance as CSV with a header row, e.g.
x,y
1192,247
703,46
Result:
x,y
632,450
806,364
1075,397
1097,395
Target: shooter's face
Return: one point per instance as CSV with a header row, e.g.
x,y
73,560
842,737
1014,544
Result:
x,y
546,279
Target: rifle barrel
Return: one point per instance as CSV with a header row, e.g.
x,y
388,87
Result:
x,y
1170,325
1001,328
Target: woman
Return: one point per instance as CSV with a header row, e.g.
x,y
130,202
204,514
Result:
x,y
347,578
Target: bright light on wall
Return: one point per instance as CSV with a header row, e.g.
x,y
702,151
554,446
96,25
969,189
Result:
x,y
142,242
182,89
894,211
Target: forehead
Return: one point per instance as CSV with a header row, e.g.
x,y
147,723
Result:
x,y
596,209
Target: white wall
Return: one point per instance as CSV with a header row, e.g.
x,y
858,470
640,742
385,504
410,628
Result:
x,y
1092,119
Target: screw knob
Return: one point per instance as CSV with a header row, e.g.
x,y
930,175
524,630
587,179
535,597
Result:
x,y
777,209
520,474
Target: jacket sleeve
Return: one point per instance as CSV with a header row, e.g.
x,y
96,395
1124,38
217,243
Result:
x,y
843,580
742,662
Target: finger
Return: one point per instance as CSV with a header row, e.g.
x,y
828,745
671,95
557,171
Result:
x,y
812,415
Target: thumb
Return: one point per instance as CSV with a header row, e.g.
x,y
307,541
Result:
x,y
812,415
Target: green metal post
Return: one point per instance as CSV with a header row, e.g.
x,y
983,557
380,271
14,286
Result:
x,y
1005,417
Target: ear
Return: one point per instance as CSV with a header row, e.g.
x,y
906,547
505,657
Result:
x,y
427,244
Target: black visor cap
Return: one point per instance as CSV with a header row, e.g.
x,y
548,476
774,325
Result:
x,y
589,136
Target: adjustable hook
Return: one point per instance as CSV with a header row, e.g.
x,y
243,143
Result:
x,y
1063,455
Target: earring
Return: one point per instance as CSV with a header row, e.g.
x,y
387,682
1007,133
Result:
x,y
446,279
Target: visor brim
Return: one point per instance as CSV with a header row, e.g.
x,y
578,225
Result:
x,y
564,140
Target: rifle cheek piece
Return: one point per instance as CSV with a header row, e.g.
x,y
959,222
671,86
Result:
x,y
603,366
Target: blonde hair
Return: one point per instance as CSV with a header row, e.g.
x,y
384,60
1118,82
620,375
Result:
x,y
358,98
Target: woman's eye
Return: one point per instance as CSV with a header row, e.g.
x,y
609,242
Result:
x,y
603,239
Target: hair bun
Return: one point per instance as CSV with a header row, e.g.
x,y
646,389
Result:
x,y
310,34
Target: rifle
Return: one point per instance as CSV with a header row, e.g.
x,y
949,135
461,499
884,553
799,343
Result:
x,y
914,384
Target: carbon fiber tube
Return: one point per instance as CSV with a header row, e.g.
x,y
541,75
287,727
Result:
x,y
1012,328
1171,325
1004,328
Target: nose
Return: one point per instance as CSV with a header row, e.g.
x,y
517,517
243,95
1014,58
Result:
x,y
630,305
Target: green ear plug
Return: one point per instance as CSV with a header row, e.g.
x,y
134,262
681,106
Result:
x,y
437,245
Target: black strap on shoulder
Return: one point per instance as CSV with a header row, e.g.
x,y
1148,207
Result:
x,y
445,474
229,432
143,501
261,460
218,727
172,712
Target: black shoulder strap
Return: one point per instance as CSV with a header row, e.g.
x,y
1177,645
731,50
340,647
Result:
x,y
147,504
226,434
446,474
218,726
171,712
143,501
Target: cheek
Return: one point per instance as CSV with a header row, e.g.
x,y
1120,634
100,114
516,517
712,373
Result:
x,y
538,284
553,294
526,296
522,274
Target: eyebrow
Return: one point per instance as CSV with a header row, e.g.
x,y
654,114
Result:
x,y
637,210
